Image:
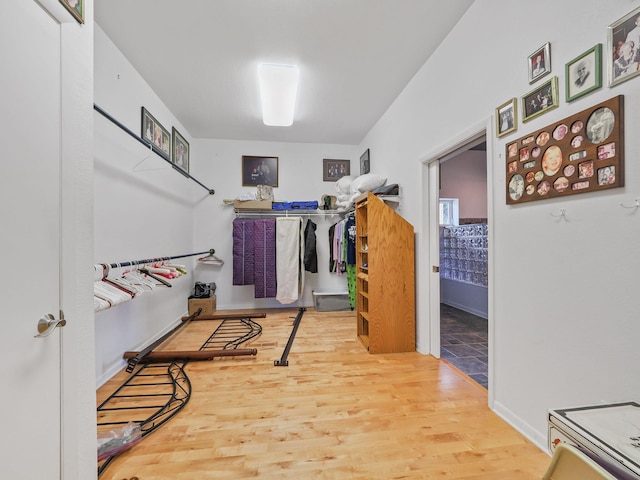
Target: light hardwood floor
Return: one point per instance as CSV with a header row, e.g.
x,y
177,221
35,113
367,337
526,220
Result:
x,y
336,412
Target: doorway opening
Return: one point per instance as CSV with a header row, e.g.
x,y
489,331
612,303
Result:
x,y
463,241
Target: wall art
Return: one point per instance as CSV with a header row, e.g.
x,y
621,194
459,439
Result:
x,y
155,134
540,100
581,153
76,8
583,74
507,118
334,170
624,46
539,63
180,152
365,164
259,171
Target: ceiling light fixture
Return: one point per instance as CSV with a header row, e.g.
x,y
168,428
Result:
x,y
278,90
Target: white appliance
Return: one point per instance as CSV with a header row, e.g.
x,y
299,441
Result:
x,y
610,434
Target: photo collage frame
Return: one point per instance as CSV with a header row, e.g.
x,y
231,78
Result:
x,y
581,153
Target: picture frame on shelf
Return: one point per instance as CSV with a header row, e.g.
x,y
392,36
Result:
x,y
155,134
583,74
539,63
258,170
623,41
180,151
365,162
334,170
76,8
507,118
540,100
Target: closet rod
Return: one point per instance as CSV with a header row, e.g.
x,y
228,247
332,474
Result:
x,y
159,259
288,213
146,144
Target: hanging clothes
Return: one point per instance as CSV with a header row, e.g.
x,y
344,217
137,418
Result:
x,y
243,252
289,259
332,262
265,258
350,240
310,251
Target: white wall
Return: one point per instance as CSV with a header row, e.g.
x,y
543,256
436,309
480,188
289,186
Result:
x,y
299,179
143,208
564,322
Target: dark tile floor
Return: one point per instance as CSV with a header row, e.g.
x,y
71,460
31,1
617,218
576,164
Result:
x,y
464,342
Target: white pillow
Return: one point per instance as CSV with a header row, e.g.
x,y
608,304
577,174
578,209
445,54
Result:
x,y
343,185
367,182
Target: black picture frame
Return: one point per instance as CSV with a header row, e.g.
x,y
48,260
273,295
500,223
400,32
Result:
x,y
365,162
259,170
155,134
333,170
180,151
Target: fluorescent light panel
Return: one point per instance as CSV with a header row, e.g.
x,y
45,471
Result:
x,y
278,90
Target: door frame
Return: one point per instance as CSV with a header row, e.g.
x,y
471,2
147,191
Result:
x,y
430,241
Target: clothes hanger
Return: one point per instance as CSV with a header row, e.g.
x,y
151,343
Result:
x,y
211,258
151,152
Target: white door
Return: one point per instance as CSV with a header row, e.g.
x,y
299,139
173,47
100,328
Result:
x,y
30,242
434,257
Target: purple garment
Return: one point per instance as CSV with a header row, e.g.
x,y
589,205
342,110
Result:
x,y
265,258
243,252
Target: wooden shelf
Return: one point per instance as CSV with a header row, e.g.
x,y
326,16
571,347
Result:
x,y
386,285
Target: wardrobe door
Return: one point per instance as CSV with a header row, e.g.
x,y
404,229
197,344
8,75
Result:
x,y
30,217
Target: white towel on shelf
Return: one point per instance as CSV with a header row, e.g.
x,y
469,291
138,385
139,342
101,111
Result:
x,y
289,259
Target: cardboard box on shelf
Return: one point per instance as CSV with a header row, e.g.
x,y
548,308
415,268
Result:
x,y
208,305
252,204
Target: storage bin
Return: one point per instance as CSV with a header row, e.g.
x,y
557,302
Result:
x,y
331,301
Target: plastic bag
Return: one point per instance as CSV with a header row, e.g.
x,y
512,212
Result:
x,y
115,441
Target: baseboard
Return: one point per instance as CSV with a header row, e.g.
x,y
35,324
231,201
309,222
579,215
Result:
x,y
534,436
467,308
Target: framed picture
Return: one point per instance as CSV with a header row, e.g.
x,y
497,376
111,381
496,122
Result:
x,y
540,63
76,7
333,170
259,171
507,117
624,44
583,74
540,100
180,152
155,134
578,154
365,163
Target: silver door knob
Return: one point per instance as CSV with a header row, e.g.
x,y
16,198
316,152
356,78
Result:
x,y
48,323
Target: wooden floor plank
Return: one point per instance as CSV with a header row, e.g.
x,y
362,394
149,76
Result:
x,y
335,412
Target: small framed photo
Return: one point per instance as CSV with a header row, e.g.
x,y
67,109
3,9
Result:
x,y
540,100
155,134
506,117
624,47
259,171
583,74
76,8
333,170
540,63
365,162
180,152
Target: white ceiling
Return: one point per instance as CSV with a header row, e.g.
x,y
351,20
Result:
x,y
354,56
